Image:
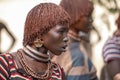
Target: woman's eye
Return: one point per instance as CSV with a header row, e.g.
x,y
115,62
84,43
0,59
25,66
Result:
x,y
61,31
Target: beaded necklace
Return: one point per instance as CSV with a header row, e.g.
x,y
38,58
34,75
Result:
x,y
30,71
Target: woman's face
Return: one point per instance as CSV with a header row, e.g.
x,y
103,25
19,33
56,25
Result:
x,y
84,24
56,39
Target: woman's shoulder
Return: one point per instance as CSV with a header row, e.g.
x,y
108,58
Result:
x,y
6,59
5,56
55,65
4,65
111,49
58,71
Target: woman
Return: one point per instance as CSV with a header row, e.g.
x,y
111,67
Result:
x,y
46,28
75,61
111,53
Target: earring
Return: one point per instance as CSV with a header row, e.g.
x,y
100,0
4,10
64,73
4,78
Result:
x,y
38,43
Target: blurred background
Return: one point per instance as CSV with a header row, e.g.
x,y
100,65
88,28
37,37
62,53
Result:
x,y
13,14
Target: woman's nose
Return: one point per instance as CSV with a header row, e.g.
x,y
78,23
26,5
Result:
x,y
66,39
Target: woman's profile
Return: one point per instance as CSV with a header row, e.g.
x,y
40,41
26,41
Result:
x,y
45,31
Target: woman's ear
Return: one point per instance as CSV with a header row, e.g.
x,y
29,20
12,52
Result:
x,y
38,43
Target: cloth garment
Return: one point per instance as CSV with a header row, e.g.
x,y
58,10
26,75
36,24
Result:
x,y
10,71
75,61
111,49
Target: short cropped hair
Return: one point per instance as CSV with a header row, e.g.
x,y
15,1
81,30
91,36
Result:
x,y
41,19
77,8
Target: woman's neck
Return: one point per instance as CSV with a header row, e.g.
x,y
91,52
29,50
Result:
x,y
33,67
36,55
40,49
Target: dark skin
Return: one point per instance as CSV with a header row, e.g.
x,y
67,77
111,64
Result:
x,y
59,37
114,65
83,24
80,21
55,41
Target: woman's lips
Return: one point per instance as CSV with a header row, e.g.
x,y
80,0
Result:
x,y
64,48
